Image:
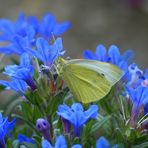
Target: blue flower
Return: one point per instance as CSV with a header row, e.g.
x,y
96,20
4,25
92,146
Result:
x,y
5,128
77,116
23,138
112,56
24,71
18,34
17,85
102,143
139,96
21,28
47,53
50,27
23,33
60,143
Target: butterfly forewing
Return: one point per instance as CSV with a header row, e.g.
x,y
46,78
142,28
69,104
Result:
x,y
111,72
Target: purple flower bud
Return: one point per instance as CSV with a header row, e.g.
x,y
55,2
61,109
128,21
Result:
x,y
43,126
66,125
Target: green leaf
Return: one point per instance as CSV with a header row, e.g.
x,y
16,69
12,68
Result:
x,y
54,103
86,131
26,121
37,140
99,124
28,145
2,88
15,144
9,143
143,145
12,105
27,110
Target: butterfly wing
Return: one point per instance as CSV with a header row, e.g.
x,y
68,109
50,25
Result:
x,y
111,72
87,85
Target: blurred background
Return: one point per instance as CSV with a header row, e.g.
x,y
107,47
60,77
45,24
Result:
x,y
120,22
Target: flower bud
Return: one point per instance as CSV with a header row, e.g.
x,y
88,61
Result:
x,y
43,126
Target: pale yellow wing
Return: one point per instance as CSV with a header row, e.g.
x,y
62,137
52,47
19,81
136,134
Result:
x,y
111,72
86,84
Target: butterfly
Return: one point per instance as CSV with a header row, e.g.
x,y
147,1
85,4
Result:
x,y
88,80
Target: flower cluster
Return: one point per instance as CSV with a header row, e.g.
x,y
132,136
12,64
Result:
x,y
49,115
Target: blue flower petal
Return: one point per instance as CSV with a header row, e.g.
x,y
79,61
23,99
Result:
x,y
114,54
92,111
89,55
101,52
64,111
60,142
138,95
17,85
77,146
76,107
46,144
22,138
128,56
61,28
102,143
25,60
5,128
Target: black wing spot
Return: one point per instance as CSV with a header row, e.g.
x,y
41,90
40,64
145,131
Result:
x,y
98,74
102,74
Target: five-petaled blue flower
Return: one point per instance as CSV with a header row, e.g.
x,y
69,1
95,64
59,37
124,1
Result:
x,y
77,116
113,56
47,53
22,138
24,71
5,128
